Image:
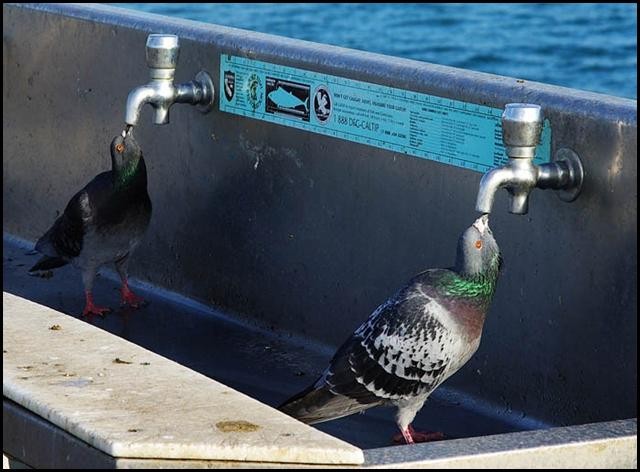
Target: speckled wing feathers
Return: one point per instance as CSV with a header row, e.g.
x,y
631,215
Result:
x,y
401,351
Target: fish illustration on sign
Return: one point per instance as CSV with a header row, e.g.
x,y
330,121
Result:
x,y
285,99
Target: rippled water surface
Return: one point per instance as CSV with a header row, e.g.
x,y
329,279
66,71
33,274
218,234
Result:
x,y
585,46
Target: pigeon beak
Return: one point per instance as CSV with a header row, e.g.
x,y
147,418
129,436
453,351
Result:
x,y
482,223
124,134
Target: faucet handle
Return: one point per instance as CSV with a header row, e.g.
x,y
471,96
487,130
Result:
x,y
521,129
162,55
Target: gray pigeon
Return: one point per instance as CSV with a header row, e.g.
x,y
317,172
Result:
x,y
411,343
103,222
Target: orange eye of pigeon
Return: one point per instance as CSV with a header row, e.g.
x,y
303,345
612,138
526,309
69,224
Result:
x,y
120,147
478,244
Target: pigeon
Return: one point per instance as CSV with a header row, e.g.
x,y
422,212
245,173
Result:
x,y
102,223
411,343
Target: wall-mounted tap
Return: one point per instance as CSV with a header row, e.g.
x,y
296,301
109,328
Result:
x,y
521,130
162,58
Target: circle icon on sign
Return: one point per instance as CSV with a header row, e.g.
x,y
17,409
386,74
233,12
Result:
x,y
254,91
322,104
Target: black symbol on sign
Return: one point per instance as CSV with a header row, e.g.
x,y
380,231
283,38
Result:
x,y
322,104
229,84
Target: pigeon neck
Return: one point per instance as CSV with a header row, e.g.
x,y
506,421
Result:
x,y
482,284
130,173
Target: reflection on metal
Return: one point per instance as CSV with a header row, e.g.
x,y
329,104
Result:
x,y
521,130
162,53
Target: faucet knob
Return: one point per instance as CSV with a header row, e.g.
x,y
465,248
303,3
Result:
x,y
162,55
521,129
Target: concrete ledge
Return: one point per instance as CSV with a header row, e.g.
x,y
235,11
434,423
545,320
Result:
x,y
608,445
129,402
27,438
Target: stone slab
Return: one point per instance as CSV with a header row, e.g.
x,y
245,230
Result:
x,y
130,402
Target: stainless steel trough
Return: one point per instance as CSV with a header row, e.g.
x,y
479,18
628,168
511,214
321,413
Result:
x,y
270,243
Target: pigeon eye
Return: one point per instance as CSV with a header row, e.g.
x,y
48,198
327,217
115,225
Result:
x,y
120,147
478,244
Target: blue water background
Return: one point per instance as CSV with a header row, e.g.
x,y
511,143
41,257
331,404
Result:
x,y
585,46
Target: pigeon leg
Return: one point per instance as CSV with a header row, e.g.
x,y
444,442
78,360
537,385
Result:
x,y
128,297
406,434
88,275
403,438
91,309
411,436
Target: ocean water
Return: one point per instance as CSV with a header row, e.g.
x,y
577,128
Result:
x,y
584,46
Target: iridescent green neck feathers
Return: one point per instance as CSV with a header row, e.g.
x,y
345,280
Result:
x,y
126,174
480,285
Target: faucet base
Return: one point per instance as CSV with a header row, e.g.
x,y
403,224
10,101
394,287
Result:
x,y
576,173
206,103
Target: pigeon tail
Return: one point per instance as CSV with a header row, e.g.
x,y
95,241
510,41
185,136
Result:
x,y
48,263
318,404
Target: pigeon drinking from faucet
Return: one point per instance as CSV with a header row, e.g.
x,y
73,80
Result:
x,y
102,223
411,343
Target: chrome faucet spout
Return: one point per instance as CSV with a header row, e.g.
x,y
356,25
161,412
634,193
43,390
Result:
x,y
161,93
135,101
493,180
518,176
521,130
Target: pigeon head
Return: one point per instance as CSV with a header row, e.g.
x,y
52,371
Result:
x,y
125,156
478,252
124,150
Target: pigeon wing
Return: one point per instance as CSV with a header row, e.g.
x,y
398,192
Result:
x,y
65,237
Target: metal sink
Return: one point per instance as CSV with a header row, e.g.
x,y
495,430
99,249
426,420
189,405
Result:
x,y
268,245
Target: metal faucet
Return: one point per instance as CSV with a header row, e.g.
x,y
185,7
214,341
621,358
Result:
x,y
162,58
521,131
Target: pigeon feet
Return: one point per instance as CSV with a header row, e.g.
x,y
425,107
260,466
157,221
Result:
x,y
131,299
91,309
95,310
411,436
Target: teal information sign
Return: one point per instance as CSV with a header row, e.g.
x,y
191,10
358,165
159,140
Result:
x,y
435,128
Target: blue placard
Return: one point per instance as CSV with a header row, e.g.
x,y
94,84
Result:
x,y
440,129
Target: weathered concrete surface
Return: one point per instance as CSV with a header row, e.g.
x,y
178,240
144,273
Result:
x,y
608,445
129,402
